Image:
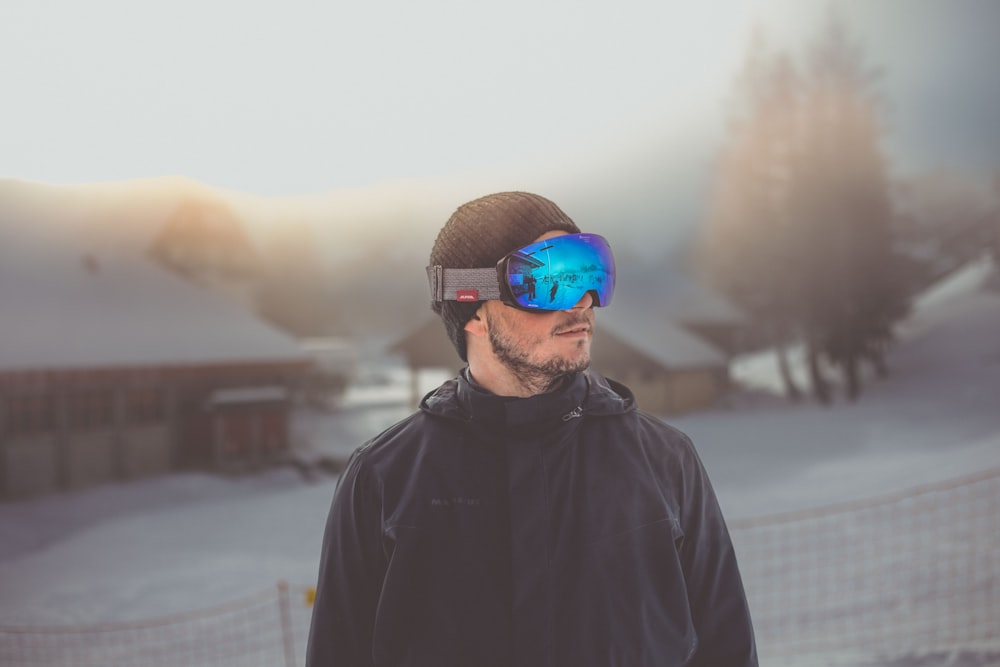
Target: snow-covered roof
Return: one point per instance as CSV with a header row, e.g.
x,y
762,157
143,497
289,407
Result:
x,y
240,395
653,334
683,298
963,291
649,318
67,301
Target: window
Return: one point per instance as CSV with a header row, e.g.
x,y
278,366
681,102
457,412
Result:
x,y
145,405
91,410
30,415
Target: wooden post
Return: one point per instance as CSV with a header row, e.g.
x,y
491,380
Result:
x,y
285,609
63,437
119,424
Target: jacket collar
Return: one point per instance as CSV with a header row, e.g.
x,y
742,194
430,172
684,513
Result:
x,y
583,393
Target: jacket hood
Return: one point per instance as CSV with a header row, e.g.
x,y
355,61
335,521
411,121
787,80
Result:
x,y
586,393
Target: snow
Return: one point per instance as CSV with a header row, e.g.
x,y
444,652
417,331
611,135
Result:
x,y
184,542
123,310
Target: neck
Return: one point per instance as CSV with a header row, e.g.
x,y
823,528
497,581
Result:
x,y
503,382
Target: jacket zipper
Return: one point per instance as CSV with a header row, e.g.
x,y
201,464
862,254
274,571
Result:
x,y
577,412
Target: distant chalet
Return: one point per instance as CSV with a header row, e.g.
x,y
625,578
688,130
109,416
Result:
x,y
113,366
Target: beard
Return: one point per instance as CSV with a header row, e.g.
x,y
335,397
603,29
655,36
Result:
x,y
542,374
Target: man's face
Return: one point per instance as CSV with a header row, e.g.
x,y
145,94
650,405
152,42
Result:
x,y
541,347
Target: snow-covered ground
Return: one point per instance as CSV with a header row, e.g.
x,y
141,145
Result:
x,y
174,544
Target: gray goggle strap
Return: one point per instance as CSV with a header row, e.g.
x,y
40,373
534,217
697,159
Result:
x,y
463,284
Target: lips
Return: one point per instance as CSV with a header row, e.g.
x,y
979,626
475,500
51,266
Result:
x,y
574,328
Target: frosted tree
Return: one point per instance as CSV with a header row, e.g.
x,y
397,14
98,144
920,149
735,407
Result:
x,y
747,247
799,232
854,284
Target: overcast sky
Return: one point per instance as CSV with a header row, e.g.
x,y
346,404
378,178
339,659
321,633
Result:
x,y
299,97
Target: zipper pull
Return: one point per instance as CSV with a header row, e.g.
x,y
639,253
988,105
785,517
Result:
x,y
577,412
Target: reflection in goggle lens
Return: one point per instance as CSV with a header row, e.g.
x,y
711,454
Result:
x,y
554,274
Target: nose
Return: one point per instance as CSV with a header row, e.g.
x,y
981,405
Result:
x,y
586,301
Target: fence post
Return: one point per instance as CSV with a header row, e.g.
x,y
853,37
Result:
x,y
285,607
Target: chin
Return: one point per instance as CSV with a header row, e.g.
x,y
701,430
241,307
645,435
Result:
x,y
578,364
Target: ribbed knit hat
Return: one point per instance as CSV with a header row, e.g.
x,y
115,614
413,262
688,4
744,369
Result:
x,y
478,234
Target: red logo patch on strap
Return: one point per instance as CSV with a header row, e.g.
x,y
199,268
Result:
x,y
467,295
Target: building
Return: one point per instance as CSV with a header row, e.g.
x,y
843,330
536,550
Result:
x,y
113,367
669,370
426,347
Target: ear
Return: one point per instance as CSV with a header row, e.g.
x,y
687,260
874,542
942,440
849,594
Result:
x,y
476,326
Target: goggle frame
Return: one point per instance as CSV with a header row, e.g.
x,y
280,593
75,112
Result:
x,y
484,284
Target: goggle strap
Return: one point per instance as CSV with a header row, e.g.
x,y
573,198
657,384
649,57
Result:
x,y
447,283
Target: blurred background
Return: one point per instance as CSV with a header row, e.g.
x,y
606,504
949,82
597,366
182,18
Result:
x,y
214,222
332,142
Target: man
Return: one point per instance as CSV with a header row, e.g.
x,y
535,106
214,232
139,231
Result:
x,y
528,514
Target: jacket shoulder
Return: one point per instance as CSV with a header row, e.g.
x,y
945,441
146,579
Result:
x,y
665,446
397,447
617,399
608,397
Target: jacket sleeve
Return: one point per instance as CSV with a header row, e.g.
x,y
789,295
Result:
x,y
715,588
349,574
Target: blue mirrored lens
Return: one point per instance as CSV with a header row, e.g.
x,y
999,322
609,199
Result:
x,y
554,274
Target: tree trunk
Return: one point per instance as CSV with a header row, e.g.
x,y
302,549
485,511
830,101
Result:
x,y
820,387
876,357
792,391
852,378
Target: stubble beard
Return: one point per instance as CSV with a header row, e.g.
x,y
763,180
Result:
x,y
540,375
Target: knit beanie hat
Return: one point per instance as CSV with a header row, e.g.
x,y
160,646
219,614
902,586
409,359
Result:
x,y
479,233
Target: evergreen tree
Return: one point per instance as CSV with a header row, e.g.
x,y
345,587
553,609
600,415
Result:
x,y
800,230
747,246
853,290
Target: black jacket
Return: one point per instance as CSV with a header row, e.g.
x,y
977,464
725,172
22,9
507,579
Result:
x,y
564,530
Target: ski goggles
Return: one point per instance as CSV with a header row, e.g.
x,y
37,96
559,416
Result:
x,y
553,274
